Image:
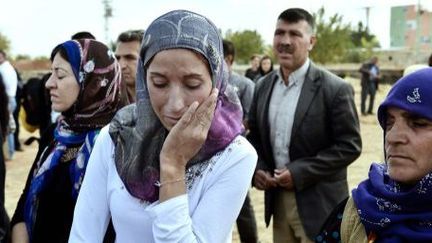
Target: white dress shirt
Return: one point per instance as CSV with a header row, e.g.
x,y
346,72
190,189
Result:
x,y
282,107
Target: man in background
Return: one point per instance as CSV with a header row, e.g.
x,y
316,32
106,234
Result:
x,y
10,80
127,53
246,223
304,126
369,84
252,73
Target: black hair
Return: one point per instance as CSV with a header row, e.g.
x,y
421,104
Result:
x,y
430,61
294,15
228,48
260,65
59,49
254,56
83,35
131,35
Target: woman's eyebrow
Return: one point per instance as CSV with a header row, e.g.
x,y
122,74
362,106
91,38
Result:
x,y
193,75
156,73
413,116
60,69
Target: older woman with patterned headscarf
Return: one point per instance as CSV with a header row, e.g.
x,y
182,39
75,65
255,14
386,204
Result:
x,y
85,86
173,167
395,203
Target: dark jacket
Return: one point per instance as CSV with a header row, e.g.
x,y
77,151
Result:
x,y
365,76
325,139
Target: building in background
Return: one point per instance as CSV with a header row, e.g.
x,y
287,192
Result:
x,y
411,28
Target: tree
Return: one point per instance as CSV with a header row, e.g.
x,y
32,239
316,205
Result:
x,y
364,42
268,50
333,38
247,43
361,35
4,43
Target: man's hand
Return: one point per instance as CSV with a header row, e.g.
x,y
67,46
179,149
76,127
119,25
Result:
x,y
263,180
283,178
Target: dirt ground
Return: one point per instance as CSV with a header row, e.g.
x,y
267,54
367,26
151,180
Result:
x,y
17,169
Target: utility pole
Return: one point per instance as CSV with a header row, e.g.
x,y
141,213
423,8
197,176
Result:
x,y
417,34
367,8
107,15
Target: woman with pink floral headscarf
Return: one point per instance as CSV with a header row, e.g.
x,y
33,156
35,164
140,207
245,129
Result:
x,y
85,86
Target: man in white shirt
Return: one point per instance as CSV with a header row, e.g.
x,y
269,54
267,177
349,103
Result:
x,y
10,80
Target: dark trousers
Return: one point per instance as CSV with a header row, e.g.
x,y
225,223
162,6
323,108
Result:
x,y
17,130
368,89
246,223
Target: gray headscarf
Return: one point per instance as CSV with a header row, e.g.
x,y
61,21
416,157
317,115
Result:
x,y
136,130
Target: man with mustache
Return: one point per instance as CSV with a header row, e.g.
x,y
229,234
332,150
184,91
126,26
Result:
x,y
304,125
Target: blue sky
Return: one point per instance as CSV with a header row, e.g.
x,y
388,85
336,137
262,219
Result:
x,y
34,27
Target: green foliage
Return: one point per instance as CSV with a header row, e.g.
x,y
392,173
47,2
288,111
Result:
x,y
367,46
338,42
362,36
4,43
246,43
364,51
363,44
268,50
333,38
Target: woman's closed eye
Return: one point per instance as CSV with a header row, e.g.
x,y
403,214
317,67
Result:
x,y
420,123
159,83
193,84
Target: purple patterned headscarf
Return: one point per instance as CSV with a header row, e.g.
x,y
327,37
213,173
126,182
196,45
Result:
x,y
393,211
137,132
396,212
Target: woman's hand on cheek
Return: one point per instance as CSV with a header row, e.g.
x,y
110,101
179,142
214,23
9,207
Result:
x,y
189,134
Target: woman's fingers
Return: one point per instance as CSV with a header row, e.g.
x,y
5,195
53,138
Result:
x,y
189,114
204,113
191,130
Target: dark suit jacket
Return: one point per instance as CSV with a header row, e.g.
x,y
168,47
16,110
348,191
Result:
x,y
325,139
365,77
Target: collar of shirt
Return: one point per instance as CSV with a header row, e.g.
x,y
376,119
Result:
x,y
297,76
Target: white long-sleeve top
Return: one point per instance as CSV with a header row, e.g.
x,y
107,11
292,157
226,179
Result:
x,y
10,78
216,191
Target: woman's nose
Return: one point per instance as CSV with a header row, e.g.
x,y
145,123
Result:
x,y
397,133
50,83
176,100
